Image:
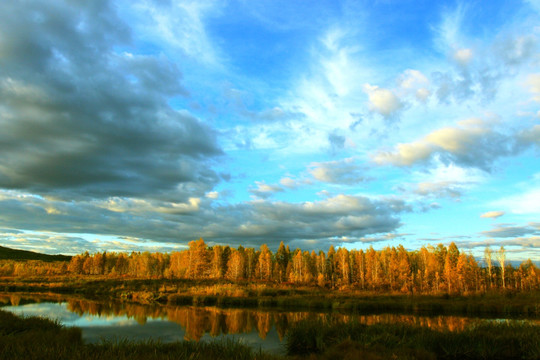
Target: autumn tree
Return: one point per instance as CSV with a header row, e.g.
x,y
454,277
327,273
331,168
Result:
x,y
198,265
264,264
489,264
236,265
282,260
501,256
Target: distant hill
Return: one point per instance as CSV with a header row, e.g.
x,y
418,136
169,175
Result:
x,y
14,254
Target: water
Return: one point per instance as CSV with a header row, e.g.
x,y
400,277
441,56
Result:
x,y
265,329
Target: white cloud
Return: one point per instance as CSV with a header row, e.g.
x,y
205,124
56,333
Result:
x,y
526,203
463,56
344,171
180,25
212,195
533,82
413,82
382,101
473,143
492,214
121,205
289,183
449,30
264,190
443,180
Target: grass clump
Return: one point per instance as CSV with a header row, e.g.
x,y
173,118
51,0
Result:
x,y
339,340
36,338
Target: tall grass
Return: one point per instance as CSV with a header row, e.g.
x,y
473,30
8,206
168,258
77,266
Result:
x,y
497,340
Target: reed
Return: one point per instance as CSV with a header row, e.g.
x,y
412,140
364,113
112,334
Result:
x,y
497,340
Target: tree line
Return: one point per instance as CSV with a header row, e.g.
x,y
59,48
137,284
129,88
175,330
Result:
x,y
393,269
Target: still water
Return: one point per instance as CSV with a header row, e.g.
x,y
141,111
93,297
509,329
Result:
x,y
265,329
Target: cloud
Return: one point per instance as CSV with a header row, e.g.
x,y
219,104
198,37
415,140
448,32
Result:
x,y
212,195
71,244
527,202
492,214
344,171
473,143
443,181
264,190
291,183
438,189
463,56
139,206
533,82
530,136
341,215
516,50
507,231
480,64
413,82
249,223
337,142
82,118
383,101
180,25
518,248
236,100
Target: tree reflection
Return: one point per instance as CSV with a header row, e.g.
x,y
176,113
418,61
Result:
x,y
198,321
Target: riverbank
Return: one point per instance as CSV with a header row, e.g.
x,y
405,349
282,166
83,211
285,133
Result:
x,y
266,295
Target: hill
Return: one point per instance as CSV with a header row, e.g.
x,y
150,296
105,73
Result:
x,y
14,254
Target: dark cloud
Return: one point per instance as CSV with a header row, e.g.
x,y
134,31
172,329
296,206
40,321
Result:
x,y
345,171
80,115
264,190
506,231
250,223
69,244
438,189
521,248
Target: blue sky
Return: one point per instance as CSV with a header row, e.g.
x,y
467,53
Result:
x,y
141,125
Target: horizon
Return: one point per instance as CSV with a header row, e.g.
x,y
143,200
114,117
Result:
x,y
134,125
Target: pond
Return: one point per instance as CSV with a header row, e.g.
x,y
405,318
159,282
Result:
x,y
259,328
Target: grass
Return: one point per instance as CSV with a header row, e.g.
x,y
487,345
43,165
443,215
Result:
x,y
339,340
39,338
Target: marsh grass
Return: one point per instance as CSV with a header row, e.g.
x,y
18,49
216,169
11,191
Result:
x,y
496,340
244,294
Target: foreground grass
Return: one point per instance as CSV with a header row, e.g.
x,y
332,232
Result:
x,y
505,340
37,338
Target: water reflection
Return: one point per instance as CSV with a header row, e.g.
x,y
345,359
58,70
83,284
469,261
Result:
x,y
112,319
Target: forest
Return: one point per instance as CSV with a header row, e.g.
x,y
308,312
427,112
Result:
x,y
432,269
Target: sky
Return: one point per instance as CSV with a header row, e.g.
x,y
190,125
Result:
x,y
133,125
